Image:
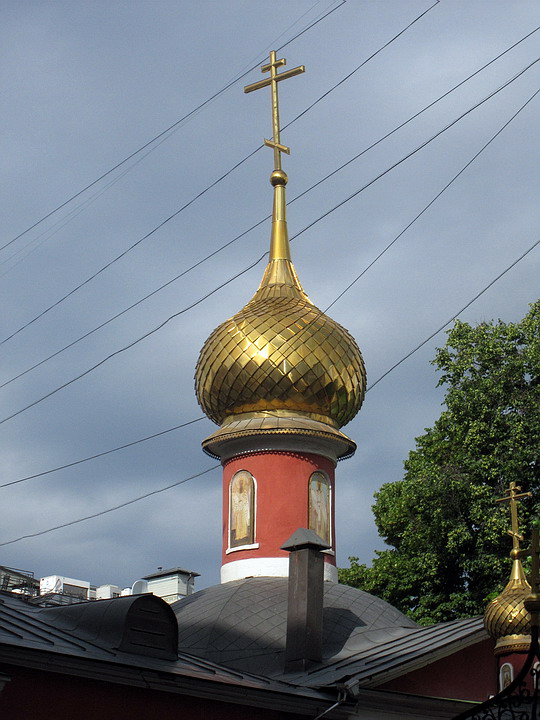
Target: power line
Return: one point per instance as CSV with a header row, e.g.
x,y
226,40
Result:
x,y
214,467
419,147
111,509
341,294
105,452
134,342
62,222
260,222
256,262
384,137
125,252
206,189
499,276
426,207
364,62
47,234
170,129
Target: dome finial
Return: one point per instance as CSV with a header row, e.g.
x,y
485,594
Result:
x,y
280,365
273,80
279,243
512,498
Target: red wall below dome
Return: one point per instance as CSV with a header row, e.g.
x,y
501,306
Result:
x,y
281,501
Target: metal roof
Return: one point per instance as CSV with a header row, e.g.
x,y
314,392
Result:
x,y
242,624
379,662
367,642
26,627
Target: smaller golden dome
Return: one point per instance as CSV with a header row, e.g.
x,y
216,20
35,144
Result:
x,y
506,619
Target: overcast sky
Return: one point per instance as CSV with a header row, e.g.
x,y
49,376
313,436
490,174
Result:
x,y
84,85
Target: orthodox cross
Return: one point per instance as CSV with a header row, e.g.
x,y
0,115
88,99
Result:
x,y
513,496
273,80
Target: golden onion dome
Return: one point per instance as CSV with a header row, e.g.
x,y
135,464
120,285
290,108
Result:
x,y
506,619
280,352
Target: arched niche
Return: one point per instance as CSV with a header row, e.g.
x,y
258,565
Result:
x,y
242,502
320,505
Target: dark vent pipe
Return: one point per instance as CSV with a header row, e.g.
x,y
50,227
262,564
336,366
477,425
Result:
x,y
305,602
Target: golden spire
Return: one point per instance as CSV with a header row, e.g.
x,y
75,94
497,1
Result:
x,y
279,243
512,498
506,618
280,365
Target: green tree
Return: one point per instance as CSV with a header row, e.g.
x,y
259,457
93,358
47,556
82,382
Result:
x,y
448,537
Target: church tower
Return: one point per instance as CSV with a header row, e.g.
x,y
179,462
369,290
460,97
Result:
x,y
280,378
507,618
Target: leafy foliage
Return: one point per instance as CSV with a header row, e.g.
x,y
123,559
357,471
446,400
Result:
x,y
449,539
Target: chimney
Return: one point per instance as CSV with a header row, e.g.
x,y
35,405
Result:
x,y
305,602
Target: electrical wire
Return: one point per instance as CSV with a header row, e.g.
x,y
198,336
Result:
x,y
57,226
437,196
206,189
169,129
417,149
105,452
426,207
364,62
62,222
111,509
436,332
125,252
408,355
260,222
214,467
137,340
256,262
339,296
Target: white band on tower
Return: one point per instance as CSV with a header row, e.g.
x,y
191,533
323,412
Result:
x,y
267,567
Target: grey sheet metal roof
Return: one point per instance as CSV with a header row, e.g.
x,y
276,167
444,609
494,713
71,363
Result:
x,y
242,624
367,642
25,627
140,624
379,662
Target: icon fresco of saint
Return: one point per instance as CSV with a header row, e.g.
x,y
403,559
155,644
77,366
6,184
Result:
x,y
241,512
319,506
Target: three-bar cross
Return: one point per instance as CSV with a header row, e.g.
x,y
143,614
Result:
x,y
513,496
273,80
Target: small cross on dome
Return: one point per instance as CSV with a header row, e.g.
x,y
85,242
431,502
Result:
x,y
273,80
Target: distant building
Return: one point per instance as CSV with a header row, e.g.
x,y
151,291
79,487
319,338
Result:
x,y
171,584
60,585
18,581
106,592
